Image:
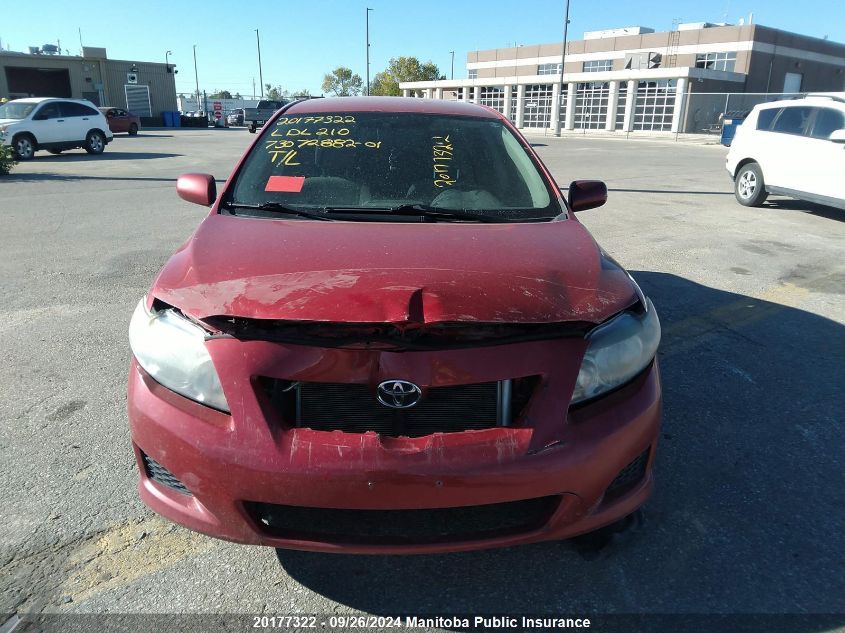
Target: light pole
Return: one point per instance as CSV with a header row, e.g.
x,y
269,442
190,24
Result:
x,y
260,73
368,50
453,64
196,77
562,63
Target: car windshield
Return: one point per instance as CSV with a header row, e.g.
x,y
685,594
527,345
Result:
x,y
14,110
387,161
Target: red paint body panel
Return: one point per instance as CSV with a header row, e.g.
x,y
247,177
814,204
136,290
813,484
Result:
x,y
415,273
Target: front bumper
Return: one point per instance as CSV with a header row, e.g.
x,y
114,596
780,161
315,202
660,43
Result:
x,y
233,464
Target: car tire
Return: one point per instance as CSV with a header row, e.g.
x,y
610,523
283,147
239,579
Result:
x,y
133,129
749,187
24,146
95,142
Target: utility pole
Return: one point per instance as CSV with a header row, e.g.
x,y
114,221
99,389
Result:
x,y
558,125
453,64
253,88
196,77
260,73
368,51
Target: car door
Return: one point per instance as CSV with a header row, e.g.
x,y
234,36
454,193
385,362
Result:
x,y
78,120
827,177
785,159
47,123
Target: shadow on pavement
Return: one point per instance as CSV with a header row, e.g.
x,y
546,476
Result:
x,y
746,515
74,156
790,204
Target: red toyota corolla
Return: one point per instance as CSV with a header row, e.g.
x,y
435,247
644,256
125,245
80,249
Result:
x,y
391,334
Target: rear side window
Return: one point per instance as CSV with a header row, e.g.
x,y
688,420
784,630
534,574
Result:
x,y
793,120
827,122
70,108
766,117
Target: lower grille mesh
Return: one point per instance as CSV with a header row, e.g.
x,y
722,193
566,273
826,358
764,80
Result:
x,y
160,474
629,476
402,526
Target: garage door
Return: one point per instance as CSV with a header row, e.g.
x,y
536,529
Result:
x,y
138,100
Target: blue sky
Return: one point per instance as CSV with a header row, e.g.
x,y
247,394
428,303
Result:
x,y
301,40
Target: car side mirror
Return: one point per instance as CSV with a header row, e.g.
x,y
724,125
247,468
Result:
x,y
587,194
837,136
197,188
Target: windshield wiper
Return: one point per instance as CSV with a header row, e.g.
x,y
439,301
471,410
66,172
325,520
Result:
x,y
423,211
277,207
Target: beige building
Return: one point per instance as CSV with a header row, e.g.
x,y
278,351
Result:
x,y
633,79
145,88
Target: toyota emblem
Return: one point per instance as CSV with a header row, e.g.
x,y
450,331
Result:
x,y
398,394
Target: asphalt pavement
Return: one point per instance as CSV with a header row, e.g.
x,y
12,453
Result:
x,y
748,510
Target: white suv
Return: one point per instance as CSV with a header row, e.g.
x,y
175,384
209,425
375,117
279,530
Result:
x,y
52,124
794,148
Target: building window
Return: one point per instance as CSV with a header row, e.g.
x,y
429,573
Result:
x,y
537,106
716,61
493,96
598,65
655,105
591,101
548,69
514,95
472,74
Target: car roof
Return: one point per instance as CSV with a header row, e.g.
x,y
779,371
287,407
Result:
x,y
830,98
391,104
46,99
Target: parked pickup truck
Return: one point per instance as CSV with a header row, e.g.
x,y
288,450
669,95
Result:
x,y
255,117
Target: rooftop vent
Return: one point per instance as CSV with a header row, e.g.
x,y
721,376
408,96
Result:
x,y
34,50
620,32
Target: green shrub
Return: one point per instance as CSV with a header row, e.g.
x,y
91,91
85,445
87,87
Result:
x,y
7,159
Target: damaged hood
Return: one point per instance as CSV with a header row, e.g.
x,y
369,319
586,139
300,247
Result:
x,y
357,272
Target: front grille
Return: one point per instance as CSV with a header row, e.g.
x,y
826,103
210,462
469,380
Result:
x,y
402,526
354,408
629,476
160,474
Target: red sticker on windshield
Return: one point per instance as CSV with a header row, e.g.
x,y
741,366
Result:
x,y
285,184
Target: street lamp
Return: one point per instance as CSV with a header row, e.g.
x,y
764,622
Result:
x,y
562,62
166,55
368,50
260,73
196,77
453,64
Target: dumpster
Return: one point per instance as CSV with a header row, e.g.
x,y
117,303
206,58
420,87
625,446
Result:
x,y
732,119
167,119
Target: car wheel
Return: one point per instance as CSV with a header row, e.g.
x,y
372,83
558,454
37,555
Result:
x,y
133,129
749,188
95,142
24,147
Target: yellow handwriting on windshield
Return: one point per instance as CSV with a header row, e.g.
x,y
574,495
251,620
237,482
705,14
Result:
x,y
442,154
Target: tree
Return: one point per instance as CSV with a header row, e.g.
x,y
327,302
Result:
x,y
274,93
220,94
238,95
301,93
342,82
386,83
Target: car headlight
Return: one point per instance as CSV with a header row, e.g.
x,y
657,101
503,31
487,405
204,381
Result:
x,y
618,350
172,350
